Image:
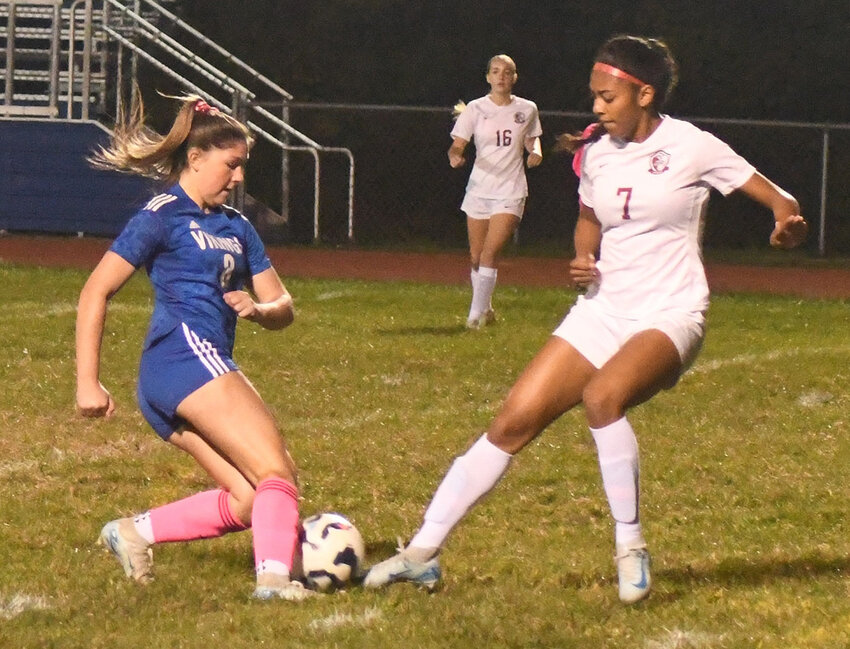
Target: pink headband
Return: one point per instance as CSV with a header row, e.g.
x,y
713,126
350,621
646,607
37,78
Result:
x,y
617,72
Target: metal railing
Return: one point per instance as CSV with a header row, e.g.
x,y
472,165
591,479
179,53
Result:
x,y
127,34
36,22
795,154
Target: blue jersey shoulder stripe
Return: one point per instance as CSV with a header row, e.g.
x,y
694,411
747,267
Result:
x,y
158,201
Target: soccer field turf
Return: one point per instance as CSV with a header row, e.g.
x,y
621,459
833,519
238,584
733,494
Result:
x,y
377,387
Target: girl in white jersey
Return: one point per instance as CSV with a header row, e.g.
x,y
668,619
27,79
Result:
x,y
503,126
645,180
202,257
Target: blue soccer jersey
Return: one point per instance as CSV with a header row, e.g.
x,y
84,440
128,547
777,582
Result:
x,y
192,257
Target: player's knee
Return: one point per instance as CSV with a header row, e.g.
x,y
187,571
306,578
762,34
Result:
x,y
512,430
284,469
602,403
242,503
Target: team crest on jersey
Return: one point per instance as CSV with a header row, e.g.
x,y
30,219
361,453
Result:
x,y
659,162
519,118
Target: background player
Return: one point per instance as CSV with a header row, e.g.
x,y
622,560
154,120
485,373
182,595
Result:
x,y
199,255
644,188
502,126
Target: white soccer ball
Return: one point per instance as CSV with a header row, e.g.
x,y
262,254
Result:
x,y
331,552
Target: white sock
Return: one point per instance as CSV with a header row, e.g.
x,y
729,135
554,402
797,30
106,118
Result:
x,y
617,448
482,298
143,526
474,279
269,566
471,476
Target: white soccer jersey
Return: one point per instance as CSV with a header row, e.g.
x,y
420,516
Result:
x,y
499,133
650,198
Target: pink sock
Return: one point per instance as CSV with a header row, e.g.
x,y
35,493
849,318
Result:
x,y
275,520
202,516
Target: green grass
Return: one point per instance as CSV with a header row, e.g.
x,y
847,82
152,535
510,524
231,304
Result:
x,y
377,387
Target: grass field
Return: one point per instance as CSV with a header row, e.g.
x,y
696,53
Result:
x,y
745,468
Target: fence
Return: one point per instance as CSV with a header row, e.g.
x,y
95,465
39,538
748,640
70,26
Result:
x,y
407,193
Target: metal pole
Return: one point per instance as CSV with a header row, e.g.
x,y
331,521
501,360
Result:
x,y
238,104
284,167
119,82
823,176
55,49
350,197
10,55
316,180
72,52
87,38
134,63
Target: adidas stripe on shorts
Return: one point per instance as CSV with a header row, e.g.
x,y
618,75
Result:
x,y
173,368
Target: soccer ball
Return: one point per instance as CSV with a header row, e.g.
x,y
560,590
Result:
x,y
331,552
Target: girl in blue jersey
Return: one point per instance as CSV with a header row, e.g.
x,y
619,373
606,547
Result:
x,y
208,267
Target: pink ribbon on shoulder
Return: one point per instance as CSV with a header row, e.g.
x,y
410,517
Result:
x,y
579,154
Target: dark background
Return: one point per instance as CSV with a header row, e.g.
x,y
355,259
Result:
x,y
775,59
768,60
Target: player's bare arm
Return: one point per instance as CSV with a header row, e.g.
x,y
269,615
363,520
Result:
x,y
456,157
273,308
535,152
791,228
587,237
93,400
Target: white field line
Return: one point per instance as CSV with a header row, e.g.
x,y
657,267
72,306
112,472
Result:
x,y
333,295
40,310
705,367
678,639
17,604
338,620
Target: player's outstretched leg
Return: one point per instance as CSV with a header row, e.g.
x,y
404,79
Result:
x,y
418,566
633,572
132,551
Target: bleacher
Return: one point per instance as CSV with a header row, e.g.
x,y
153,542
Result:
x,y
65,68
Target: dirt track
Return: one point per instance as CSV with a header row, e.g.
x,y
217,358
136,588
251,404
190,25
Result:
x,y
444,268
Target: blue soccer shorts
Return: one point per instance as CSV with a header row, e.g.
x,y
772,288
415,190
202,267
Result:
x,y
171,369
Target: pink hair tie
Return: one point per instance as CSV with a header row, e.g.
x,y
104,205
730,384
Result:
x,y
579,154
617,72
203,107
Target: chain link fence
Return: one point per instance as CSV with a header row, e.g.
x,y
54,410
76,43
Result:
x,y
406,193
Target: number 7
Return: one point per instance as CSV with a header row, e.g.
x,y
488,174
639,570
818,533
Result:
x,y
628,192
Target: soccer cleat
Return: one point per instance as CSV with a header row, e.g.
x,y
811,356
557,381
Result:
x,y
131,550
278,587
633,566
480,321
401,568
487,318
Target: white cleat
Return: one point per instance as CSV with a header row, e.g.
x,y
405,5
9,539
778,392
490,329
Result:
x,y
633,572
479,322
133,553
401,568
279,587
